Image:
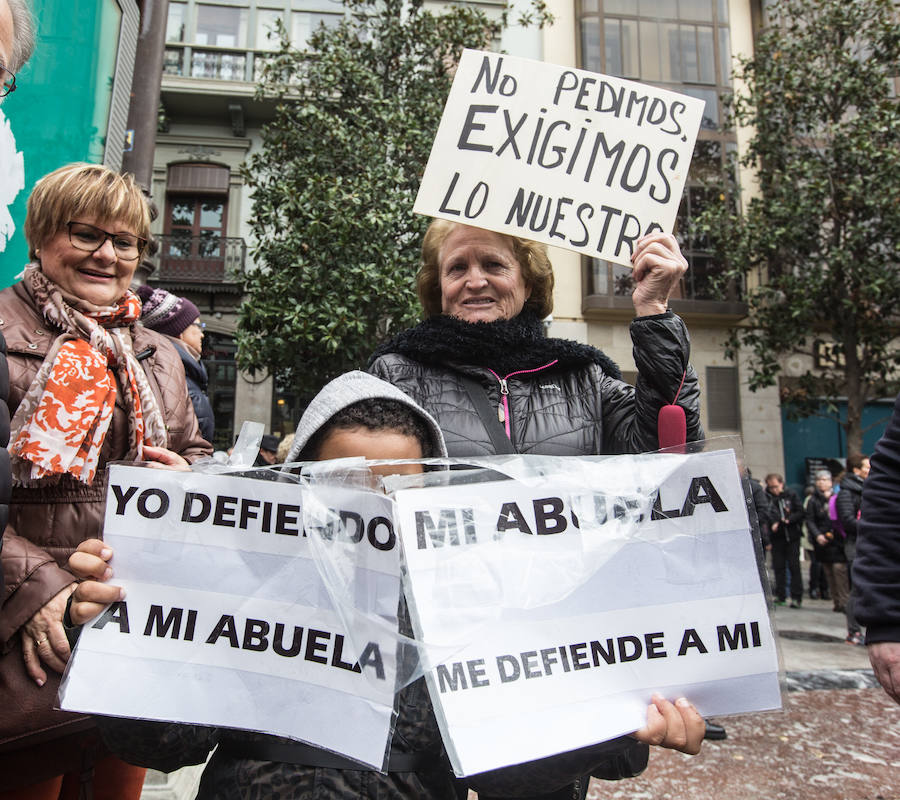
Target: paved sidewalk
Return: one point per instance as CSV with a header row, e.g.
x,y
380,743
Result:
x,y
812,638
838,737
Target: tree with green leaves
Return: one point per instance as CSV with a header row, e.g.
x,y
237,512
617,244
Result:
x,y
333,184
819,243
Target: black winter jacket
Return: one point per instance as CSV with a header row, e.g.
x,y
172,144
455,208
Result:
x,y
787,511
197,383
552,396
849,502
765,514
818,521
876,568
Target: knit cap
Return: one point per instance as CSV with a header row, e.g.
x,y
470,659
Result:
x,y
165,312
269,442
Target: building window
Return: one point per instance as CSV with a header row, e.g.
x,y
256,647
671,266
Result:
x,y
208,32
723,407
194,244
175,22
229,40
219,354
266,28
221,26
683,46
305,23
193,247
198,222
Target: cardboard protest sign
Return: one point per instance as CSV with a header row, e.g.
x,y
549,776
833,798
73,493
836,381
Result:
x,y
227,620
563,156
568,598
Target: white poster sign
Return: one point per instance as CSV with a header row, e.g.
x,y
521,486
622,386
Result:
x,y
227,619
568,599
563,156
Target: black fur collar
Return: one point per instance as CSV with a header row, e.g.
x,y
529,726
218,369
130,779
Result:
x,y
504,345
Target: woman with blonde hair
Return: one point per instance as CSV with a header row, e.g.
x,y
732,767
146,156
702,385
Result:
x,y
88,386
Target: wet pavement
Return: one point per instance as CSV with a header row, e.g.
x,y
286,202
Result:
x,y
837,738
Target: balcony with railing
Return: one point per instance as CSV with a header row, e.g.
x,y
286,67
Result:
x,y
207,259
214,63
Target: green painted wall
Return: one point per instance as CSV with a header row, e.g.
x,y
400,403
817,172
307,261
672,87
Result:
x,y
60,110
818,437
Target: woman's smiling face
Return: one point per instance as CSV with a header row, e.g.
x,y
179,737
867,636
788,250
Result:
x,y
481,280
101,277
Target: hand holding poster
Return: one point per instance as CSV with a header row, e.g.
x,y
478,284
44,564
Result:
x,y
562,156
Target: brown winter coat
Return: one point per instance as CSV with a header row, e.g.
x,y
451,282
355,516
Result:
x,y
46,524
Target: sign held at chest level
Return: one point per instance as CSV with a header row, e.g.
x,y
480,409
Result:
x,y
585,586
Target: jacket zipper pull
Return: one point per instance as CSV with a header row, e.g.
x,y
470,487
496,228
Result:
x,y
504,390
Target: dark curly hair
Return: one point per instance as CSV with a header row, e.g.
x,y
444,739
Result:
x,y
374,414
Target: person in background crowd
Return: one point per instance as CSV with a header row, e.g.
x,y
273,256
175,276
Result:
x,y
284,448
828,543
849,503
179,319
876,567
482,366
785,539
818,584
268,451
16,46
763,507
88,386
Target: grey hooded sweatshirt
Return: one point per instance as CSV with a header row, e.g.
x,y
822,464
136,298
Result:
x,y
345,390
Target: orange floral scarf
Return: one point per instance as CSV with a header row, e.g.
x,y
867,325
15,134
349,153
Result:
x,y
60,425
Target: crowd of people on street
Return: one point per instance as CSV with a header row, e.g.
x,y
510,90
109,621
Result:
x,y
823,527
100,370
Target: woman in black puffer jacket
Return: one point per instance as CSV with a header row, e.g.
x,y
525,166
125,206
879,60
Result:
x,y
484,296
482,367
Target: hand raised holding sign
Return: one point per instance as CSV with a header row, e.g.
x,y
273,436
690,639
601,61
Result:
x,y
658,267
